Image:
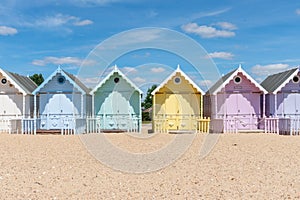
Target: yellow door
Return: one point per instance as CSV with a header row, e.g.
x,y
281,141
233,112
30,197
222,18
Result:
x,y
172,111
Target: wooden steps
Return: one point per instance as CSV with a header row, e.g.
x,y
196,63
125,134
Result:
x,y
113,131
181,131
252,131
48,132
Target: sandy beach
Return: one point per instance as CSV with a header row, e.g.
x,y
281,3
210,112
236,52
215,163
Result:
x,y
241,166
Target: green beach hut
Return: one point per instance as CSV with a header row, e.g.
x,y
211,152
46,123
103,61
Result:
x,y
116,103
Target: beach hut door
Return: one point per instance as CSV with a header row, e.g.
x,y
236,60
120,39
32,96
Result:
x,y
239,109
173,113
60,108
292,104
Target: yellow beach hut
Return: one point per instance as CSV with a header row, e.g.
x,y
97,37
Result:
x,y
178,105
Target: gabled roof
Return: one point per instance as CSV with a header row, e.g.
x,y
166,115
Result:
x,y
274,83
178,70
116,70
223,81
78,82
71,78
23,83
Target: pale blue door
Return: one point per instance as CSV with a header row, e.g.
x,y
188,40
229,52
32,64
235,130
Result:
x,y
115,111
59,110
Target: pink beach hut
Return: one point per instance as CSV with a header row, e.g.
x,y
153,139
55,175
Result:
x,y
235,103
283,100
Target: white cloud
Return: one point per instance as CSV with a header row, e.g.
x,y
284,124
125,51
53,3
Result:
x,y
129,70
60,20
90,81
157,70
139,80
5,30
298,11
222,55
83,22
226,25
206,31
140,35
206,83
262,70
59,61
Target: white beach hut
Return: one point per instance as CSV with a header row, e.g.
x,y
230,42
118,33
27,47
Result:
x,y
16,100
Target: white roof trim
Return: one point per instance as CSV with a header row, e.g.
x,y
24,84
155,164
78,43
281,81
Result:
x,y
58,70
286,82
239,69
14,83
178,70
116,69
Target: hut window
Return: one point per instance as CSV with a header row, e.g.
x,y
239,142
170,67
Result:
x,y
177,80
61,79
116,80
296,79
4,81
237,79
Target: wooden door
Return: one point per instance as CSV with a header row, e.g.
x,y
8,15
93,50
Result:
x,y
115,111
240,108
291,104
172,111
11,105
59,111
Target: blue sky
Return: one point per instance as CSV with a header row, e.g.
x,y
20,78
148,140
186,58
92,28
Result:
x,y
38,36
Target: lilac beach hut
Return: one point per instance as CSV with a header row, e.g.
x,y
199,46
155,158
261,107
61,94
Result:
x,y
235,103
283,100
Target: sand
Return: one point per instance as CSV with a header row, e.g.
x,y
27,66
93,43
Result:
x,y
241,166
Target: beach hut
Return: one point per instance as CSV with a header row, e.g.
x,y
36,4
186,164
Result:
x,y
116,103
283,100
62,103
235,103
177,104
16,100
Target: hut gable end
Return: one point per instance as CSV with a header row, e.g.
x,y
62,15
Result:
x,y
228,83
116,80
21,83
276,82
244,86
183,84
54,85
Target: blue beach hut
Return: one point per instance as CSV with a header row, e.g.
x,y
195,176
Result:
x,y
62,102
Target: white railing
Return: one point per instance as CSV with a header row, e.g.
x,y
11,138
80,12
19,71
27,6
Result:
x,y
128,123
5,125
28,126
68,126
295,126
160,125
72,126
93,125
133,124
164,123
230,125
289,126
271,125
